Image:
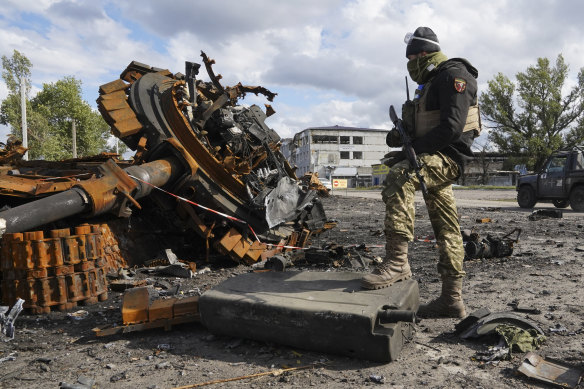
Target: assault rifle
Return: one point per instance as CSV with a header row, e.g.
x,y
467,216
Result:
x,y
408,149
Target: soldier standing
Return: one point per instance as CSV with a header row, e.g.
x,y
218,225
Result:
x,y
443,120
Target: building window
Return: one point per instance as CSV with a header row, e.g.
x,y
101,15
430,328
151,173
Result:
x,y
345,155
357,155
357,140
325,139
345,140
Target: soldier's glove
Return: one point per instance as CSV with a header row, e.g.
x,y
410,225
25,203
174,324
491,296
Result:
x,y
393,139
393,157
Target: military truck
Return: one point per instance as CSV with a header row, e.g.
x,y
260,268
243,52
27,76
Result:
x,y
561,181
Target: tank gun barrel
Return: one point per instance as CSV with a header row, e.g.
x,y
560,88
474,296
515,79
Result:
x,y
109,193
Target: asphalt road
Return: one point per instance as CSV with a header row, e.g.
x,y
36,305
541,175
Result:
x,y
470,198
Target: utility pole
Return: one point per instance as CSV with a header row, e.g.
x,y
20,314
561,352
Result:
x,y
74,135
23,117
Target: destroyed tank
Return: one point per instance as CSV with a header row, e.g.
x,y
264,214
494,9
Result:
x,y
199,154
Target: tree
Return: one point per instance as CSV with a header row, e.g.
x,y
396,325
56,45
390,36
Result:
x,y
540,120
484,161
60,103
14,69
50,114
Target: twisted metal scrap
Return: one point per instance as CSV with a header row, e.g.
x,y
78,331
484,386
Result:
x,y
238,90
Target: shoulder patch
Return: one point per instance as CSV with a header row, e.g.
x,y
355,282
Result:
x,y
460,84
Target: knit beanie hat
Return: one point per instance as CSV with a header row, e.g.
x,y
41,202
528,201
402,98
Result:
x,y
423,39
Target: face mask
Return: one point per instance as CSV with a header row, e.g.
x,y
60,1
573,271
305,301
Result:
x,y
421,68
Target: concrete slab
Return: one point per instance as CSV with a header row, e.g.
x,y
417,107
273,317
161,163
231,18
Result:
x,y
321,311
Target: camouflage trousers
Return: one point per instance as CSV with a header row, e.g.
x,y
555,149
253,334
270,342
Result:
x,y
439,172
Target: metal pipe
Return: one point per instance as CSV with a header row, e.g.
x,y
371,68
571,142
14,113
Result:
x,y
76,200
43,211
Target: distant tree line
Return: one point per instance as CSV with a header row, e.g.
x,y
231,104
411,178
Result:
x,y
50,114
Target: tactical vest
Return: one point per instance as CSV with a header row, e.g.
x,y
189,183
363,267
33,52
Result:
x,y
418,121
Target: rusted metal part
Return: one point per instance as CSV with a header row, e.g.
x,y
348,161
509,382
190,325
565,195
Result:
x,y
33,179
111,248
140,313
311,181
59,269
104,193
12,151
33,186
551,371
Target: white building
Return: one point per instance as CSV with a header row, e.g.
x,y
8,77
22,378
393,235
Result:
x,y
338,152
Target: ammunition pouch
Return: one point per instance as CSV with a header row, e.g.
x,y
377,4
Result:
x,y
426,120
409,116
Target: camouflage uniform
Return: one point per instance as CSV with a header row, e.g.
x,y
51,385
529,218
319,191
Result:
x,y
443,119
439,172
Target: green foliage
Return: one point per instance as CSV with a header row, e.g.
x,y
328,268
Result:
x,y
60,103
539,120
50,115
14,69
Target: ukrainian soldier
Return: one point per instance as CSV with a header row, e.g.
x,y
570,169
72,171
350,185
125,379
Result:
x,y
443,121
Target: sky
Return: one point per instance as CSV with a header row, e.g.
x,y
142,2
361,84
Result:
x,y
331,62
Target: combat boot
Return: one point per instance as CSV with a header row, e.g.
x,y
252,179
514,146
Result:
x,y
394,268
449,304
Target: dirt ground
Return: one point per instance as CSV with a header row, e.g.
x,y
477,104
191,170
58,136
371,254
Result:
x,y
545,272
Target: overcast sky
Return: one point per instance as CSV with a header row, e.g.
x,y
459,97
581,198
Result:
x,y
332,62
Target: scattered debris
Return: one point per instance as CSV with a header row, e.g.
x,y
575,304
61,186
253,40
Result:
x,y
484,220
180,270
378,379
493,354
311,181
483,322
7,319
559,329
491,247
9,357
515,333
83,382
546,214
378,232
273,373
551,371
12,151
331,254
141,312
122,285
78,315
522,309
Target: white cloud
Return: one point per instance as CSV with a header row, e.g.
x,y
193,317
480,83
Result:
x,y
331,62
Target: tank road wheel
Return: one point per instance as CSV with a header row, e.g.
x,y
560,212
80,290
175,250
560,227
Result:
x,y
561,203
526,197
577,199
